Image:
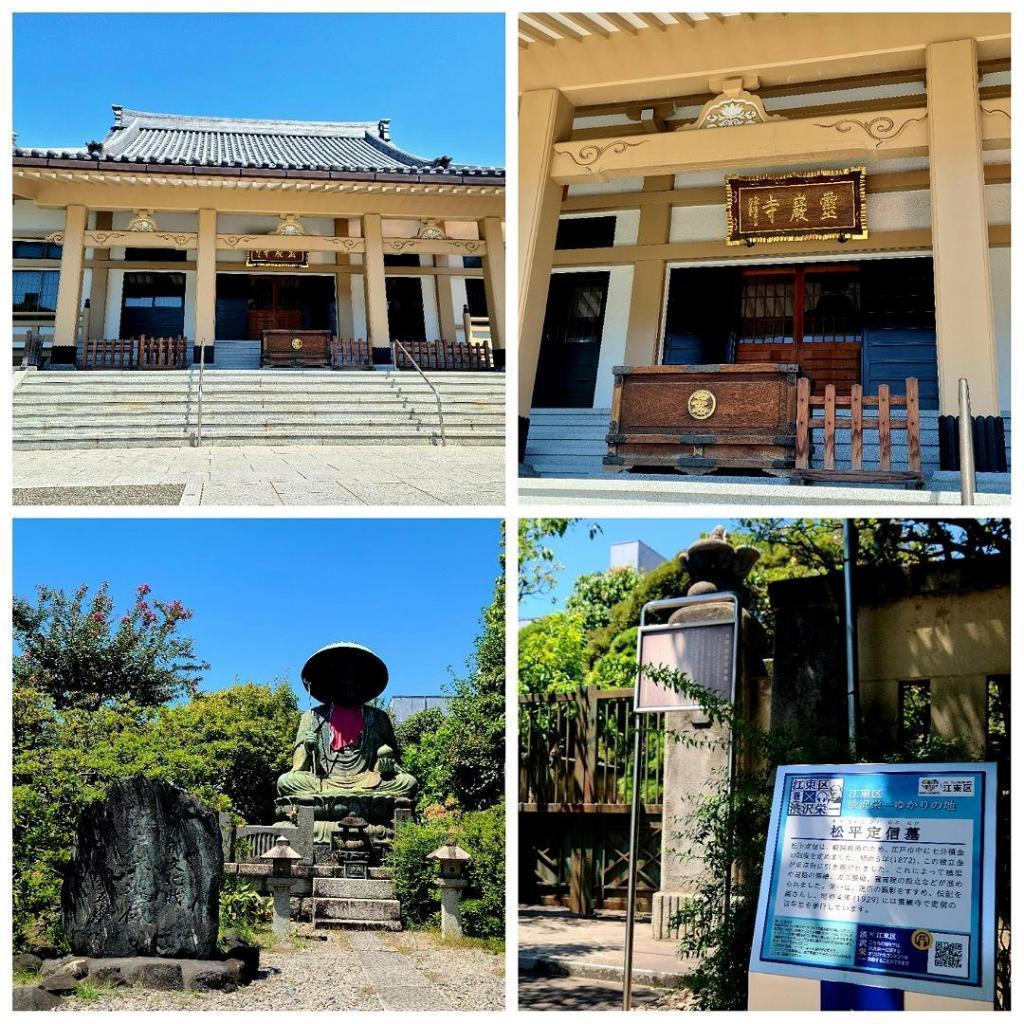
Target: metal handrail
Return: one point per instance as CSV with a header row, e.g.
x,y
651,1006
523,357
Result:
x,y
437,397
199,410
968,476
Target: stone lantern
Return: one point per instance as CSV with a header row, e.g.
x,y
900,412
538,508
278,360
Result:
x,y
281,856
452,861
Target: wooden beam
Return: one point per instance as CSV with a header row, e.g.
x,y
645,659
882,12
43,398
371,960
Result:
x,y
534,35
720,18
555,25
587,23
621,23
684,19
652,21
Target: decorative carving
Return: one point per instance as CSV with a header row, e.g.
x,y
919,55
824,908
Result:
x,y
171,239
881,129
589,155
734,107
238,241
432,230
55,237
142,221
347,244
289,225
997,110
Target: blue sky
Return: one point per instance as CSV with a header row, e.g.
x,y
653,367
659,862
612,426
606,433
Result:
x,y
266,593
579,554
439,77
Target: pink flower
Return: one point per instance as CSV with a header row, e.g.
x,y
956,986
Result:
x,y
125,619
143,589
97,617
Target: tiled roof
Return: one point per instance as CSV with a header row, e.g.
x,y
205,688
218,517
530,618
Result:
x,y
139,137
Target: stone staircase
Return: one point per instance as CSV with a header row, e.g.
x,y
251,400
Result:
x,y
356,904
118,409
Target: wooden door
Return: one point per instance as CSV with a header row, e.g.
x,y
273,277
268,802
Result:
x,y
405,308
806,315
571,341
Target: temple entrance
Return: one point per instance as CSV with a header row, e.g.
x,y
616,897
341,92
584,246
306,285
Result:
x,y
405,308
571,343
249,304
868,323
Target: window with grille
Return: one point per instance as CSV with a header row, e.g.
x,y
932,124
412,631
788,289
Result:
x,y
35,291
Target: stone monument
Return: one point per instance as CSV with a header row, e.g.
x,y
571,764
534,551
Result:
x,y
146,875
714,566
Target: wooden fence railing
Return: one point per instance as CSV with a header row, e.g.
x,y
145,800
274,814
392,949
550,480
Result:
x,y
134,354
575,788
818,412
351,354
446,355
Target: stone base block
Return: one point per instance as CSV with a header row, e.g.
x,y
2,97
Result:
x,y
664,907
360,926
169,974
341,909
354,888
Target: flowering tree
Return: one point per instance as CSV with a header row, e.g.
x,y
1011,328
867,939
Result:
x,y
75,652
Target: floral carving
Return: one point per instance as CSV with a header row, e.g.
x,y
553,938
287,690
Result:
x,y
882,128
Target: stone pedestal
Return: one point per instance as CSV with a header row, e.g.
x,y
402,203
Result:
x,y
451,912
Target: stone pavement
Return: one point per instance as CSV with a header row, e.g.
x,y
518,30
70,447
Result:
x,y
552,941
398,983
276,475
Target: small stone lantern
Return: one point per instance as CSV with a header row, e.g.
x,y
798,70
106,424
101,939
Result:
x,y
279,883
452,860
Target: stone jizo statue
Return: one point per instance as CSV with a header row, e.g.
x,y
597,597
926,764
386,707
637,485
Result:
x,y
345,758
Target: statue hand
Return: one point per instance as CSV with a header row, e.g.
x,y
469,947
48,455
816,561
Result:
x,y
386,761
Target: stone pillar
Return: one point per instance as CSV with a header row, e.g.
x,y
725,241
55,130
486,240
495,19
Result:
x,y
494,278
373,279
206,279
963,291
69,288
545,117
98,290
281,890
343,284
451,913
646,300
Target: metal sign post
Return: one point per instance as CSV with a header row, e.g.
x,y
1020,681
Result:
x,y
698,661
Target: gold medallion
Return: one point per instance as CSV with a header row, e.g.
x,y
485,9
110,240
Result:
x,y
921,939
701,404
296,343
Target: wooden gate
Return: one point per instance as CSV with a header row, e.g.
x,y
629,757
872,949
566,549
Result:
x,y
575,782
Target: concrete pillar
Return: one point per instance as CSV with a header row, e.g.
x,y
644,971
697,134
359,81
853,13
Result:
x,y
343,285
206,278
963,291
494,278
647,297
69,288
98,289
545,117
373,279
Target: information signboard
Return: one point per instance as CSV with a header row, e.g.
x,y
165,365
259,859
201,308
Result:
x,y
883,875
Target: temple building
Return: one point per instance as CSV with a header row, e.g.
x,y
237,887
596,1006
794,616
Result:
x,y
215,230
819,196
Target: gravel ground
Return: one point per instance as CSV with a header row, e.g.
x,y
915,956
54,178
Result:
x,y
127,494
674,999
329,974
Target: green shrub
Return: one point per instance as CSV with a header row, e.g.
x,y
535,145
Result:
x,y
482,835
242,909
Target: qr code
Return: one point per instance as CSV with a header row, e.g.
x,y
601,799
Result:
x,y
948,955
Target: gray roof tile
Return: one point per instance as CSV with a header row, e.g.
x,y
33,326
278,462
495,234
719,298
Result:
x,y
142,137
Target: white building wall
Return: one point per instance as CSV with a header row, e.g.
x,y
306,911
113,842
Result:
x,y
112,317
999,270
359,306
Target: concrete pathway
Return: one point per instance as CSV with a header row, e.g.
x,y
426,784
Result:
x,y
270,475
398,983
552,941
543,993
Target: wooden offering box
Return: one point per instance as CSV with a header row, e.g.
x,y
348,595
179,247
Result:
x,y
698,419
296,348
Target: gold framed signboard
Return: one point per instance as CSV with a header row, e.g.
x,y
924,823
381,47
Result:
x,y
791,206
276,258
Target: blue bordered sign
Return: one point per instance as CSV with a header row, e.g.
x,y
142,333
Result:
x,y
882,875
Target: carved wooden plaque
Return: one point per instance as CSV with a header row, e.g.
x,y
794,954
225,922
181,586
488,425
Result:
x,y
788,207
276,258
